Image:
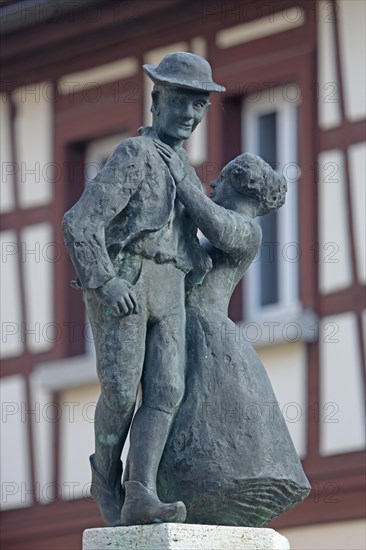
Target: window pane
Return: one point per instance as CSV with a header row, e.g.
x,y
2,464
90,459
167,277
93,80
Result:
x,y
269,252
269,261
267,138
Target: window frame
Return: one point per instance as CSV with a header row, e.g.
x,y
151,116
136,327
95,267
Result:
x,y
289,304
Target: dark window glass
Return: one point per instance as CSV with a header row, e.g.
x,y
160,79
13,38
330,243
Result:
x,y
269,250
267,138
269,261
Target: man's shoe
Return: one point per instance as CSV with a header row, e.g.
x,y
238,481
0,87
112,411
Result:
x,y
108,497
142,506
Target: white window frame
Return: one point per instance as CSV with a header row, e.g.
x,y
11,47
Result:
x,y
289,304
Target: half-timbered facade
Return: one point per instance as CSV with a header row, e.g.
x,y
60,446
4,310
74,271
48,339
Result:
x,y
72,89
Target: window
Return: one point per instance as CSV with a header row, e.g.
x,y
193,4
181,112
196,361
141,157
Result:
x,y
270,130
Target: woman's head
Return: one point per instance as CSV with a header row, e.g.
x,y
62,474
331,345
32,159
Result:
x,y
254,179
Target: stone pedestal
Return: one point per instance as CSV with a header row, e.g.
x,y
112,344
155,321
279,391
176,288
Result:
x,y
176,536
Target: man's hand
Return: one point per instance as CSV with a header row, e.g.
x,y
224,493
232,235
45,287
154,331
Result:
x,y
118,295
172,160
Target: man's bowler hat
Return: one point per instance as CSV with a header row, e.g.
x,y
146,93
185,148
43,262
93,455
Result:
x,y
184,70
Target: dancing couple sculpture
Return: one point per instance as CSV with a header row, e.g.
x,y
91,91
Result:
x,y
154,294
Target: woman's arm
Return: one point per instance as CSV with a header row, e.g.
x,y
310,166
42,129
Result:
x,y
225,229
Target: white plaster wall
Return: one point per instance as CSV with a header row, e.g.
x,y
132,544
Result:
x,y
197,143
340,535
34,141
10,307
39,256
334,241
77,439
15,461
342,406
199,46
283,20
7,201
357,167
352,38
109,72
153,57
286,368
329,113
43,426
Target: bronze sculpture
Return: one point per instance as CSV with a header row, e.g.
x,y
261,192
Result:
x,y
133,243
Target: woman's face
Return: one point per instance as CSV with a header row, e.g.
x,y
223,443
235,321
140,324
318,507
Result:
x,y
221,188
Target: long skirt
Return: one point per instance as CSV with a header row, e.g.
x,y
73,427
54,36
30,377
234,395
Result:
x,y
229,456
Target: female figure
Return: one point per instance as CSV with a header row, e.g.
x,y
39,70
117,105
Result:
x,y
229,455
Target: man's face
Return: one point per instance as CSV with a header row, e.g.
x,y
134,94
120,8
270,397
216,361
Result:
x,y
179,111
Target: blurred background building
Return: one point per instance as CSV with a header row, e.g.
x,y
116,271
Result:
x,y
72,89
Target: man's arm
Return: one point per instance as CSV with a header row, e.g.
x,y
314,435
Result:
x,y
84,226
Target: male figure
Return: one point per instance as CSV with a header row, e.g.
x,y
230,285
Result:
x,y
135,250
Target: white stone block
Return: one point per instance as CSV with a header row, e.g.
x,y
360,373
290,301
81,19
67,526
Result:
x,y
178,536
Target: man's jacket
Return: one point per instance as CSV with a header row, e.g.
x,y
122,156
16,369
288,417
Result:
x,y
133,195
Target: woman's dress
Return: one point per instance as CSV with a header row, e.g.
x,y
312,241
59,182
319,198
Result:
x,y
229,456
